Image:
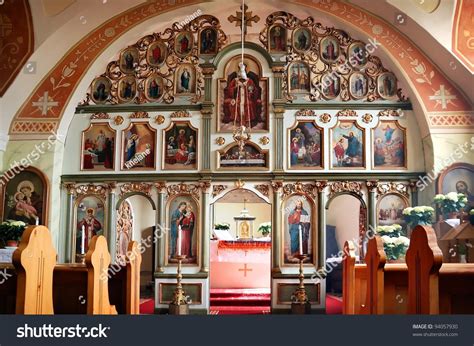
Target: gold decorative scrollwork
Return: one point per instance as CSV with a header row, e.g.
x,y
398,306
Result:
x,y
217,189
345,186
299,187
305,113
144,188
144,71
393,187
100,116
140,115
182,188
320,70
92,189
181,114
264,189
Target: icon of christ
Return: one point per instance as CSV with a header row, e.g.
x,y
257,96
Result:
x,y
243,99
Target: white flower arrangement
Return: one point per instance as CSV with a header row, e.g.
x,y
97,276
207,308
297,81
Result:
x,y
393,230
222,226
420,215
452,202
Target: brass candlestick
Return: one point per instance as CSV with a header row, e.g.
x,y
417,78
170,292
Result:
x,y
300,303
179,305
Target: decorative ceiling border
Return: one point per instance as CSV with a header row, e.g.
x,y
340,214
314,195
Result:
x,y
50,97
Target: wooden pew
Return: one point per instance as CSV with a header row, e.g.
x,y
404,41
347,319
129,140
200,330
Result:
x,y
124,285
81,289
33,284
26,286
375,287
436,287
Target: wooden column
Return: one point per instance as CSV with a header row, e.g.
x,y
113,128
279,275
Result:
x,y
207,112
205,224
371,215
111,234
414,193
67,256
278,134
160,232
348,279
276,225
321,187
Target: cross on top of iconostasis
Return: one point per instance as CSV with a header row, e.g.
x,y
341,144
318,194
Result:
x,y
248,19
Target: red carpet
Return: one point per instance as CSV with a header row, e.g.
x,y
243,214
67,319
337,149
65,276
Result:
x,y
333,305
240,301
249,302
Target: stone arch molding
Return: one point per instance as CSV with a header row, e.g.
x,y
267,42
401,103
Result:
x,y
43,111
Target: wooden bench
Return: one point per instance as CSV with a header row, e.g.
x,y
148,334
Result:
x,y
375,287
34,284
436,287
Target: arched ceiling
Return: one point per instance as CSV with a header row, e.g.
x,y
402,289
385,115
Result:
x,y
59,75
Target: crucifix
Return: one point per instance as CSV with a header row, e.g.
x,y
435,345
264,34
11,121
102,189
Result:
x,y
247,17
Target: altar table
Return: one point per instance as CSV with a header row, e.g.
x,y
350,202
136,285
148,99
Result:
x,y
240,263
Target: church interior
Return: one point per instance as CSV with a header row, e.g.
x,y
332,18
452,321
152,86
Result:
x,y
237,157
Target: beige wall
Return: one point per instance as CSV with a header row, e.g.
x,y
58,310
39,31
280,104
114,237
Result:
x,y
225,212
343,213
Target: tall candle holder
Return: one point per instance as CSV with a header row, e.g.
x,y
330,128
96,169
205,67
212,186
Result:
x,y
179,305
300,303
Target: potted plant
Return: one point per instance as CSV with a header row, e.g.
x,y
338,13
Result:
x,y
421,215
265,228
395,244
471,216
222,226
11,232
451,203
462,251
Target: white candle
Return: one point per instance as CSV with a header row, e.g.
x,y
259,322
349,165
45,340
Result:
x,y
83,239
179,240
301,240
37,221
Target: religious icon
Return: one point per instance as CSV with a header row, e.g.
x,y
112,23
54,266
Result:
x,y
129,59
185,80
347,140
250,156
329,48
387,85
139,143
208,41
180,146
90,217
277,39
302,39
154,87
389,146
357,54
243,101
127,89
358,85
157,53
330,85
306,146
459,178
98,147
183,44
390,210
298,211
25,196
299,77
100,90
184,229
